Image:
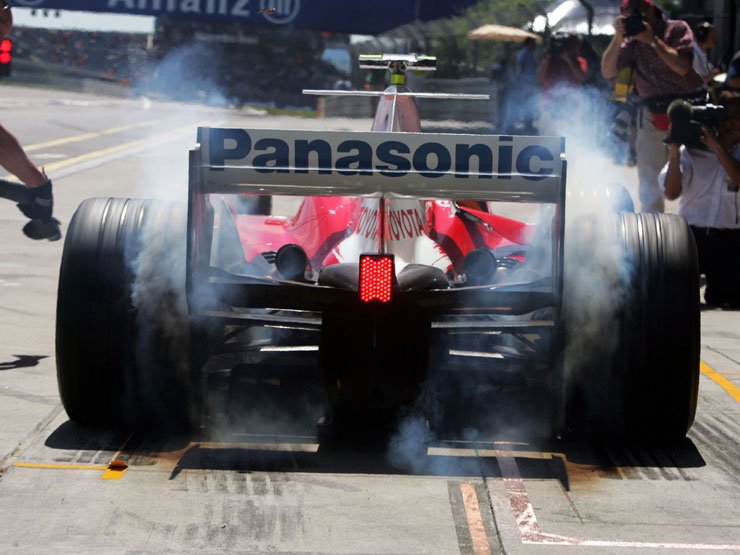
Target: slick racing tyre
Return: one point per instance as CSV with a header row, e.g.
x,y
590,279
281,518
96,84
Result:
x,y
631,311
121,330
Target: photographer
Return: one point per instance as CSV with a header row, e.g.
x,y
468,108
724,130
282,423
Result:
x,y
561,72
706,38
562,64
704,175
661,54
35,198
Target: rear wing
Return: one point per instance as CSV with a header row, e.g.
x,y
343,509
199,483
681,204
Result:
x,y
391,165
374,165
398,64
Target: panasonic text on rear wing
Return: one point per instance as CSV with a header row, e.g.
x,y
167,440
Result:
x,y
396,165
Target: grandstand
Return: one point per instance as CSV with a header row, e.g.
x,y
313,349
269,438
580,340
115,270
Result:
x,y
192,61
120,57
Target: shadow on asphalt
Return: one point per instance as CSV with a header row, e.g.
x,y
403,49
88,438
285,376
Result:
x,y
22,361
260,440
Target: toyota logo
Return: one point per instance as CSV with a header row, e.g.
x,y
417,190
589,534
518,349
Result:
x,y
280,11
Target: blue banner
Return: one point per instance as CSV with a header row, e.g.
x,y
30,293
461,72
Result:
x,y
344,16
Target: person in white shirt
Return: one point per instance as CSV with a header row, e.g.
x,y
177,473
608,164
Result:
x,y
705,182
706,37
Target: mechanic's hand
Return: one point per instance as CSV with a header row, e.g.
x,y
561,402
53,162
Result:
x,y
40,204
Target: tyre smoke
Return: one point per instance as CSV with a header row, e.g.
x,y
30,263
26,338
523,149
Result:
x,y
596,282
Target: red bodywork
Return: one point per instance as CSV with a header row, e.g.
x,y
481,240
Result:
x,y
321,223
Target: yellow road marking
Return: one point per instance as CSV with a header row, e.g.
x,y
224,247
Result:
x,y
116,149
115,471
478,452
88,136
475,520
258,446
726,384
112,471
117,468
62,466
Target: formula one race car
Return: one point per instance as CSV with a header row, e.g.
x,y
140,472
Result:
x,y
398,269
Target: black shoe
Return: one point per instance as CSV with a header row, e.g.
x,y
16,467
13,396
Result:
x,y
39,229
39,207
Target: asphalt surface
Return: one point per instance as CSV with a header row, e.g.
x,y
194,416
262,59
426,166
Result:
x,y
237,491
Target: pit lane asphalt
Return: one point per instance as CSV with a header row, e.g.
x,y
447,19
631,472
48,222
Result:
x,y
243,493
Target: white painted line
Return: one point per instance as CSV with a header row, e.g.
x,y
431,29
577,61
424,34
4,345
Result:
x,y
529,527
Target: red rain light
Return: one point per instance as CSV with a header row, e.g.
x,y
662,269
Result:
x,y
6,45
376,277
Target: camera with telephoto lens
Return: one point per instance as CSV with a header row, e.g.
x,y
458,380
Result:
x,y
634,24
687,121
556,45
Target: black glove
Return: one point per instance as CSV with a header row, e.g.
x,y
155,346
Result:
x,y
40,203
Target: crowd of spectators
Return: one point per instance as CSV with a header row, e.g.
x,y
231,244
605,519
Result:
x,y
548,84
116,56
207,70
192,70
653,69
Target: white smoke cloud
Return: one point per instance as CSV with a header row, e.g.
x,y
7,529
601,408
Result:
x,y
597,270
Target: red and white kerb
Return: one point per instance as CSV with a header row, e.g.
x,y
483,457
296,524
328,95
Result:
x,y
376,277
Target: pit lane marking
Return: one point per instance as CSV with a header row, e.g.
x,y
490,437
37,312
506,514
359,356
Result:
x,y
101,156
476,526
531,533
723,382
114,470
125,147
89,136
52,466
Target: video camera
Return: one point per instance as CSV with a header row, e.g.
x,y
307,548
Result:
x,y
687,121
634,24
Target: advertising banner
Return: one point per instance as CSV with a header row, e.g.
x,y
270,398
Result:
x,y
345,16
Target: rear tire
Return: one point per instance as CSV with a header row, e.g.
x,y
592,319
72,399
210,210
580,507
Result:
x,y
632,326
122,329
